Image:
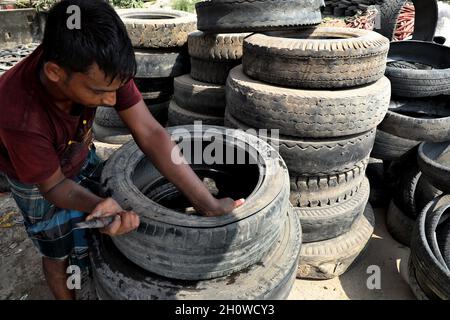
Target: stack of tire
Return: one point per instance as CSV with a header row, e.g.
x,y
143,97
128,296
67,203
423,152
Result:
x,y
419,111
325,97
159,38
200,96
429,263
175,254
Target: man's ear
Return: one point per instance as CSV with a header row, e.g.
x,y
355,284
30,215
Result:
x,y
54,72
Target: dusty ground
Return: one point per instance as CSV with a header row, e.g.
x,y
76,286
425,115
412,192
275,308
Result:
x,y
21,274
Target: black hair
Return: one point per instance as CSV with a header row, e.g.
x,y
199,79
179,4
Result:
x,y
102,38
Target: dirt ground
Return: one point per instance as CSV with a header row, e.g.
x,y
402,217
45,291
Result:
x,y
21,274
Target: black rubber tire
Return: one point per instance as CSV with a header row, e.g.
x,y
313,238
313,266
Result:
x,y
271,278
399,224
227,16
179,116
191,247
156,89
161,63
379,191
307,113
425,20
215,72
216,47
421,120
4,184
415,83
108,117
331,258
433,278
329,190
200,97
434,161
314,157
443,237
111,135
105,150
413,284
342,58
153,28
389,147
328,222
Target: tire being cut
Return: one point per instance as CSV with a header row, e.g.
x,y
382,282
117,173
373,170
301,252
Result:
x,y
416,82
215,72
271,278
186,247
179,116
216,47
200,97
389,147
331,258
161,63
155,28
421,120
321,58
307,113
331,221
315,157
228,16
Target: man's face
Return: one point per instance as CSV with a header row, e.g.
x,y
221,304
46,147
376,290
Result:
x,y
90,89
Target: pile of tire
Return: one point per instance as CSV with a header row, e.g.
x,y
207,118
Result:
x,y
325,97
419,111
175,254
200,95
159,38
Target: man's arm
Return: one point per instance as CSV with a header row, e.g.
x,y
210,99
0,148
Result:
x,y
156,143
66,194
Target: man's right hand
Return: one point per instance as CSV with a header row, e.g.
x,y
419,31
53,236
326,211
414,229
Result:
x,y
124,222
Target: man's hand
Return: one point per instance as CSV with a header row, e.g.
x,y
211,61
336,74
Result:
x,y
220,207
124,222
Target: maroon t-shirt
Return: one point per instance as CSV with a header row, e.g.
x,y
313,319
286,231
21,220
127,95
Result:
x,y
36,137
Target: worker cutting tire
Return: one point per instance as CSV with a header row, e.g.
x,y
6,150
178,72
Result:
x,y
48,103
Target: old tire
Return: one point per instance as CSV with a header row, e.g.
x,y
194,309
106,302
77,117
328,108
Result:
x,y
322,58
111,135
434,161
155,90
331,258
216,47
199,96
328,222
157,28
188,247
161,63
179,116
389,147
228,16
307,113
421,120
315,157
215,72
399,224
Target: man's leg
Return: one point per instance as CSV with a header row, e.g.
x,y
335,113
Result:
x,y
56,276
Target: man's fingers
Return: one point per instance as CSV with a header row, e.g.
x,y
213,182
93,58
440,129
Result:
x,y
114,227
239,203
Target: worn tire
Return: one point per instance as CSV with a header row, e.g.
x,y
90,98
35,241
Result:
x,y
307,113
413,284
191,247
342,58
432,276
216,47
111,135
434,161
389,147
147,29
328,222
179,117
200,97
227,16
399,224
421,120
379,191
415,83
315,157
215,72
161,63
156,89
271,278
331,258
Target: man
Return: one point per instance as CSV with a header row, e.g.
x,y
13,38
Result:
x,y
47,105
